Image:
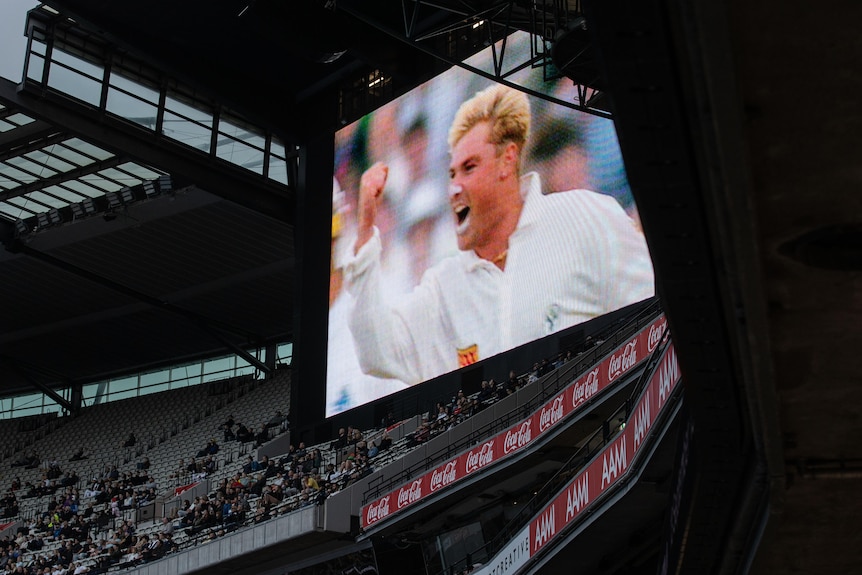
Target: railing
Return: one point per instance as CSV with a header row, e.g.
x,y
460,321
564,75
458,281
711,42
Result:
x,y
546,388
603,436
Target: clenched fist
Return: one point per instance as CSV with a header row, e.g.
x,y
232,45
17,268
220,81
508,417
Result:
x,y
370,191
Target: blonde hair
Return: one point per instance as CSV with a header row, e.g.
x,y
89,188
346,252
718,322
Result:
x,y
506,109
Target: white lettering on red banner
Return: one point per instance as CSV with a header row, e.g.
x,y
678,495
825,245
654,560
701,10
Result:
x,y
668,374
614,461
546,528
656,331
615,457
642,421
445,477
518,438
408,495
621,362
585,388
377,511
551,414
479,459
578,495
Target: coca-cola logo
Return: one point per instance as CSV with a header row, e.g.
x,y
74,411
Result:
x,y
552,414
441,478
408,495
623,361
517,438
585,388
481,458
377,511
655,332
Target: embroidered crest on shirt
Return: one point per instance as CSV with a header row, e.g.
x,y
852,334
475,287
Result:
x,y
468,355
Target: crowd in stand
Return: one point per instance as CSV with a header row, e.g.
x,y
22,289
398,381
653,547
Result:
x,y
96,536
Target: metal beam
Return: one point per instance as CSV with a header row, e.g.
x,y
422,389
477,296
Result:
x,y
231,183
16,366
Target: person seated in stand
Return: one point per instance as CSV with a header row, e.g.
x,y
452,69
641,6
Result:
x,y
130,441
385,442
243,435
79,455
262,436
211,448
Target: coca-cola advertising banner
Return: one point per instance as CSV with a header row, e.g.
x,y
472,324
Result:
x,y
616,458
609,370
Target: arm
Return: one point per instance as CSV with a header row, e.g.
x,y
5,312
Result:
x,y
388,338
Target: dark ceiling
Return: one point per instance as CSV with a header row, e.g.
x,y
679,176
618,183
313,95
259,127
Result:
x,y
741,130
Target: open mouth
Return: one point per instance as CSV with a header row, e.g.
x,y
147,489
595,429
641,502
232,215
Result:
x,y
461,214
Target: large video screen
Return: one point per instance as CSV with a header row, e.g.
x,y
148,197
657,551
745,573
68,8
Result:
x,y
470,218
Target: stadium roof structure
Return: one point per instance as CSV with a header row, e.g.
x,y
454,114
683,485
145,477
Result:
x,y
744,188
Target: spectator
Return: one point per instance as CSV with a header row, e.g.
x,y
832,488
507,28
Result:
x,y
79,455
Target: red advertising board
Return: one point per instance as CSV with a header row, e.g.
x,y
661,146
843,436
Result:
x,y
613,462
623,359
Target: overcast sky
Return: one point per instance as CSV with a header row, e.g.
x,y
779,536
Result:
x,y
13,43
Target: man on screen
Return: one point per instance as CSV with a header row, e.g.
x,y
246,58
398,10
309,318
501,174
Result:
x,y
529,264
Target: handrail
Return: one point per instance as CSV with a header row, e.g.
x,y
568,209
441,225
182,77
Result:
x,y
568,470
546,388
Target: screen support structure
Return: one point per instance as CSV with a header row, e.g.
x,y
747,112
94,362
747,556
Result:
x,y
452,31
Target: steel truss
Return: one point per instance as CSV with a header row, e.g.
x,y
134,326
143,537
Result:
x,y
453,30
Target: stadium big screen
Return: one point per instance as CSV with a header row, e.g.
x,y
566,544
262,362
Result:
x,y
457,269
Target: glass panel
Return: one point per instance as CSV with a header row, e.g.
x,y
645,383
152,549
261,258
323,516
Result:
x,y
187,132
89,149
123,394
20,119
132,109
240,154
63,193
142,172
26,164
7,171
51,407
6,126
100,182
49,160
119,177
84,189
28,400
285,353
124,384
38,47
278,170
244,371
47,200
89,392
25,411
156,388
276,148
14,212
143,92
36,67
214,369
81,67
67,153
75,85
199,115
161,376
28,204
247,135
